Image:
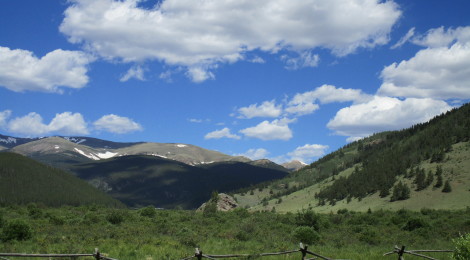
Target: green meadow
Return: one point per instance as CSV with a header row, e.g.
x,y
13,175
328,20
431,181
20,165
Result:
x,y
148,233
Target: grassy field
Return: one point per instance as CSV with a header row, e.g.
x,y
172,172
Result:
x,y
456,168
148,234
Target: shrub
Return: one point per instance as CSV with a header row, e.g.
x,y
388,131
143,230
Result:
x,y
115,217
369,236
462,247
415,223
306,235
309,218
58,221
33,211
16,230
148,212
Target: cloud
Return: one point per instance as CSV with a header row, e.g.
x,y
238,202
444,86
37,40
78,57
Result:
x,y
4,115
199,34
197,120
308,152
21,71
304,60
384,114
66,123
439,37
135,72
223,133
117,124
199,74
255,154
438,72
266,109
304,103
276,130
258,59
404,39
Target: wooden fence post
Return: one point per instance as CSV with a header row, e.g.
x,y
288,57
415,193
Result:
x,y
198,254
303,250
97,254
401,253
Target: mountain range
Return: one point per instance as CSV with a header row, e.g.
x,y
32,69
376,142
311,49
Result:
x,y
165,175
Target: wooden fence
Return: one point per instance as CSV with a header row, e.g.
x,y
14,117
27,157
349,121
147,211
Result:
x,y
401,251
303,250
97,255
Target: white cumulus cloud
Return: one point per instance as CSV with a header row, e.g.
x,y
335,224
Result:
x,y
198,34
275,130
255,154
21,70
266,109
117,124
223,133
308,152
384,114
4,115
66,123
305,103
441,71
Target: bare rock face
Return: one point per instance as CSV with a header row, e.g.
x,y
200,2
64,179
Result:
x,y
224,203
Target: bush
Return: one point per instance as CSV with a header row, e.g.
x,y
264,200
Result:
x,y
16,230
415,223
306,235
462,247
115,217
33,211
148,212
309,218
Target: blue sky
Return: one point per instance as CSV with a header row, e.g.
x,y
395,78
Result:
x,y
266,79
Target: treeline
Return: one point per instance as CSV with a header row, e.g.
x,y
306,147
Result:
x,y
388,155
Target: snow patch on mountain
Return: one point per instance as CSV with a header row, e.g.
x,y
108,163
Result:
x,y
56,147
91,156
9,140
181,145
106,155
97,156
74,140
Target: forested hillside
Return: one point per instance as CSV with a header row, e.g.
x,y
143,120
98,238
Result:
x,y
393,165
23,181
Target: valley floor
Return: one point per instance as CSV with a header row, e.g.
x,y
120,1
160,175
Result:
x,y
149,234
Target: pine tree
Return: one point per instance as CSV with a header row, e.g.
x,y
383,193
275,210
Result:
x,y
429,178
420,180
400,192
447,187
439,177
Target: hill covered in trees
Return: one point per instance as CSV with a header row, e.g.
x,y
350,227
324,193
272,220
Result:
x,y
429,158
24,180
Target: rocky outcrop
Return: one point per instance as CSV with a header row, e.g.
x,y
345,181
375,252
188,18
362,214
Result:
x,y
224,203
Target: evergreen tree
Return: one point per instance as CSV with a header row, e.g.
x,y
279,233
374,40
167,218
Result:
x,y
420,180
447,187
429,178
439,177
400,192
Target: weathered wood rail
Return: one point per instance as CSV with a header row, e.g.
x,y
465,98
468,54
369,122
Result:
x,y
97,255
303,250
401,251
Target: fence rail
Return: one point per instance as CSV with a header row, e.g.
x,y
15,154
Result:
x,y
199,254
401,251
97,255
303,250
